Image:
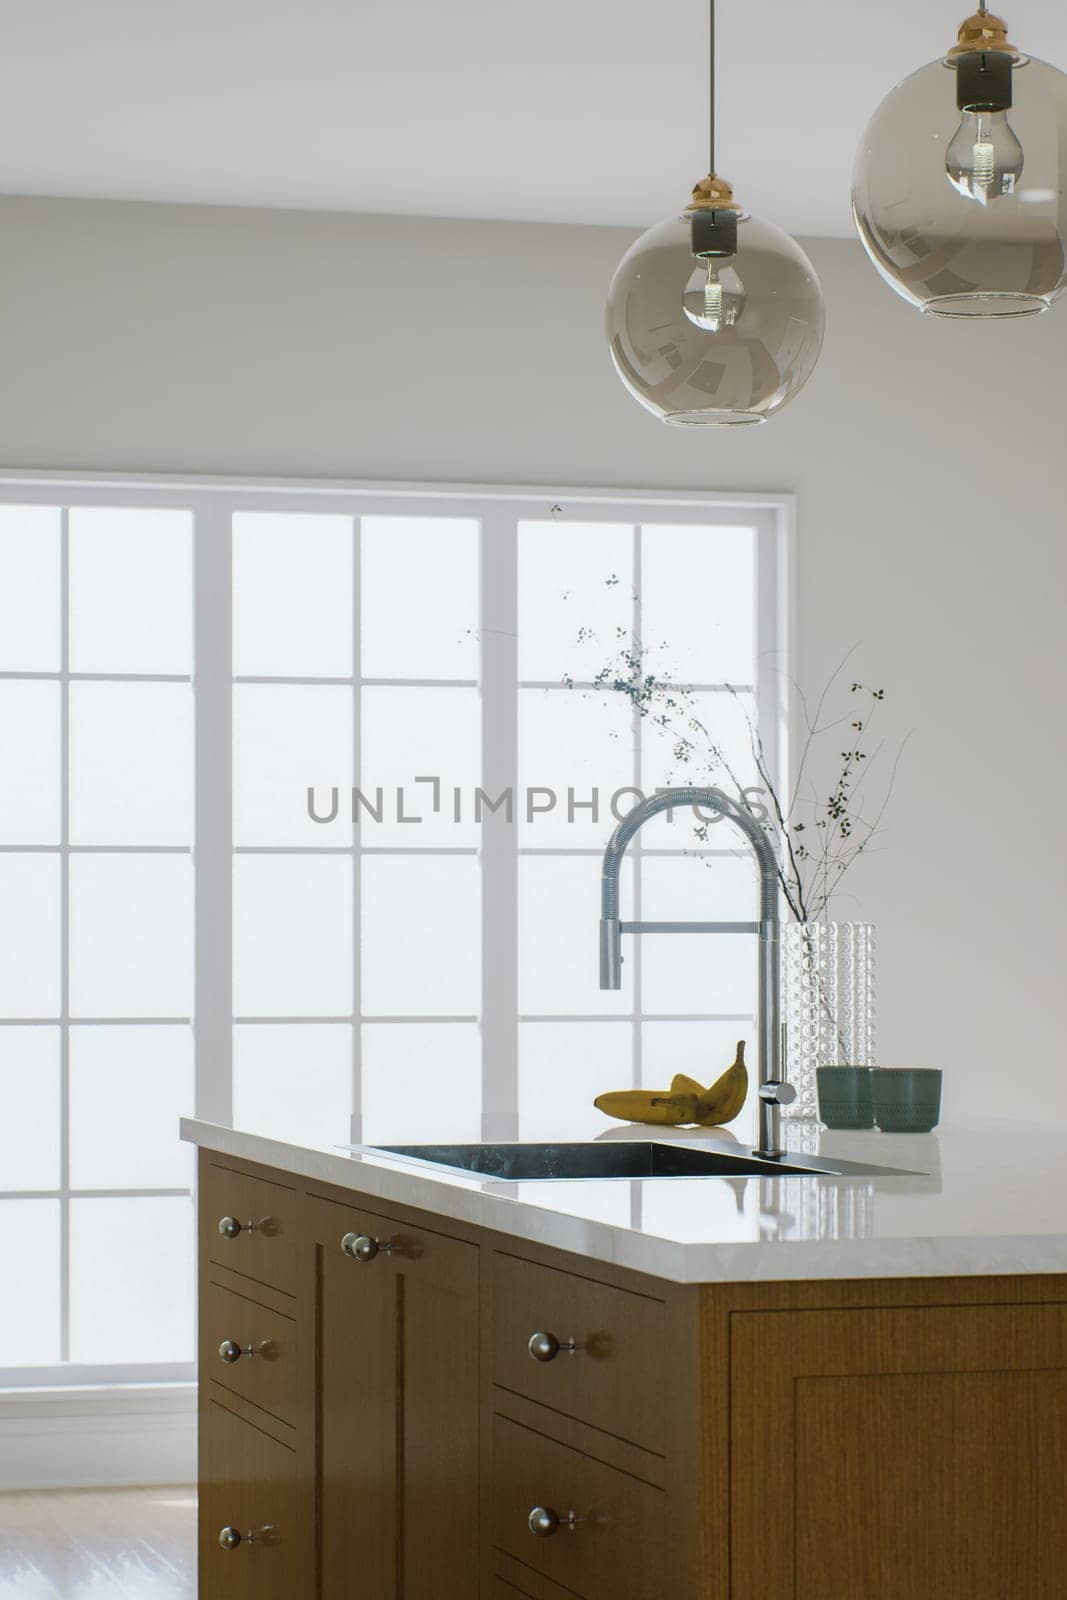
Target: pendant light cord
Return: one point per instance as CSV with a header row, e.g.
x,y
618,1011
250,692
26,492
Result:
x,y
711,87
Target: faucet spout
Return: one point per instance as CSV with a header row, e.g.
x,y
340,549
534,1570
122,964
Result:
x,y
774,1092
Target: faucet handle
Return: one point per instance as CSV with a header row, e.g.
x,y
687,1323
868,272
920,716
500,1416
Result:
x,y
777,1093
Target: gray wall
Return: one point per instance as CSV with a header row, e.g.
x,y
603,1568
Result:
x,y
928,460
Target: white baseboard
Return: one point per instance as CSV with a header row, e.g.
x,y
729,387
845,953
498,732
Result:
x,y
95,1438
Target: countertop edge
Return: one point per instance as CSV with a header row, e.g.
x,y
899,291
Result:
x,y
760,1261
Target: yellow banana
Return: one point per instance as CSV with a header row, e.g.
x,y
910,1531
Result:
x,y
727,1095
648,1105
686,1101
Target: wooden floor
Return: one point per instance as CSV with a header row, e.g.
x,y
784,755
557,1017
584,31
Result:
x,y
98,1544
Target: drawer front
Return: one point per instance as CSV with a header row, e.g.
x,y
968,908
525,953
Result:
x,y
266,1250
612,1379
616,1547
249,1485
231,1326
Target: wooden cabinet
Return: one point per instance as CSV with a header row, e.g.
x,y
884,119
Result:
x,y
253,1528
398,1362
880,1453
806,1441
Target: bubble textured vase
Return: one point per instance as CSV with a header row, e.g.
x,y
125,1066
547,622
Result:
x,y
827,1003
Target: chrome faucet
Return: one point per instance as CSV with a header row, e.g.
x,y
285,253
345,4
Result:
x,y
774,1092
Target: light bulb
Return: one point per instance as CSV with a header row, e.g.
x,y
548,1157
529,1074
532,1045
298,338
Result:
x,y
984,158
714,297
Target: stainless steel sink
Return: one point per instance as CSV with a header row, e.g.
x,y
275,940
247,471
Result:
x,y
623,1158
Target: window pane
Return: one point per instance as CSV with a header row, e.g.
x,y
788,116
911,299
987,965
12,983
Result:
x,y
420,733
572,740
702,1050
29,1093
422,1083
29,936
559,920
292,595
286,739
421,944
131,936
563,1066
294,1081
29,762
419,597
718,731
293,936
131,763
128,1087
131,1280
698,596
131,590
576,587
30,598
691,972
29,1249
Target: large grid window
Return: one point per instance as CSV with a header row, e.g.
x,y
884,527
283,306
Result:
x,y
414,960
96,938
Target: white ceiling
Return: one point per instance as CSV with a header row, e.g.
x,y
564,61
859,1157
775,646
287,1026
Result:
x,y
558,110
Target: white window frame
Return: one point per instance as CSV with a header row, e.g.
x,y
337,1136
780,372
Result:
x,y
213,503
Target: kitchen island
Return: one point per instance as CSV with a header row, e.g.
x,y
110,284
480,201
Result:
x,y
418,1383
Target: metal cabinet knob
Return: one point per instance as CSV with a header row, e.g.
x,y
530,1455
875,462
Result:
x,y
230,1351
361,1247
546,1347
543,1522
230,1538
230,1227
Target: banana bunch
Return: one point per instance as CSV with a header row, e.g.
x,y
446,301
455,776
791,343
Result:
x,y
685,1101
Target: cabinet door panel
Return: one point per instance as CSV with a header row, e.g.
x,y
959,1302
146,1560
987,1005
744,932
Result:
x,y
607,1381
882,1453
248,1482
617,1547
266,1378
266,1250
398,1414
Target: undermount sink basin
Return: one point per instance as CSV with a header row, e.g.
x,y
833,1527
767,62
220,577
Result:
x,y
630,1158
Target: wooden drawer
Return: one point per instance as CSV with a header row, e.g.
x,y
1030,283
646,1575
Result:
x,y
268,1377
616,1549
266,1251
403,1248
248,1482
609,1381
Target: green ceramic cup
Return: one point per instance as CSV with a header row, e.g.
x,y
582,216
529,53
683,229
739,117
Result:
x,y
906,1099
845,1097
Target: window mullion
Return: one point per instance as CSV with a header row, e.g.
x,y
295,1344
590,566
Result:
x,y
213,841
500,867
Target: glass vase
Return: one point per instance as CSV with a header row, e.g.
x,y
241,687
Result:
x,y
827,1004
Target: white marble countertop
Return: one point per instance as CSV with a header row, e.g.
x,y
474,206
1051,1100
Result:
x,y
975,1202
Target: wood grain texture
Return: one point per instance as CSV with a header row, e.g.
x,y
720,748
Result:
x,y
249,1481
609,1381
267,1379
904,1451
618,1548
397,1422
122,1544
267,1254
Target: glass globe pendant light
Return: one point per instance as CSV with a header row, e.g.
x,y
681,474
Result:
x,y
714,318
958,191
